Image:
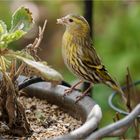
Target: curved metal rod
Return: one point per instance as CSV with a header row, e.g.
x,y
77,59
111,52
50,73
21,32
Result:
x,y
114,94
106,131
113,106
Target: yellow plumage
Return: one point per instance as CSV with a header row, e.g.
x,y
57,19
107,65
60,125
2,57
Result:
x,y
79,54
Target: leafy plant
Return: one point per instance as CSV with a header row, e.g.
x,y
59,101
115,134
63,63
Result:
x,y
14,63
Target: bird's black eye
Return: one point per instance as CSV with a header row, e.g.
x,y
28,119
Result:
x,y
70,20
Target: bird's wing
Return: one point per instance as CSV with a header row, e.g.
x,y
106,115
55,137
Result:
x,y
91,60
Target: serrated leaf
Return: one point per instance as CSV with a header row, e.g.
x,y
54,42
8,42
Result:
x,y
21,20
20,24
3,28
42,70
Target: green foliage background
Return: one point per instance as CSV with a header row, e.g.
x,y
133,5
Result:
x,y
119,42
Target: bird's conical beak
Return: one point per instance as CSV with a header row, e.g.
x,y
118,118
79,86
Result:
x,y
62,21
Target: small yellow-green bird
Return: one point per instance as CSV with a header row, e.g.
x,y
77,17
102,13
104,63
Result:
x,y
79,55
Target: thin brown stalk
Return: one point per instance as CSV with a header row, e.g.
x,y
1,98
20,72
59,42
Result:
x,y
131,91
13,69
128,90
20,70
41,32
115,119
32,48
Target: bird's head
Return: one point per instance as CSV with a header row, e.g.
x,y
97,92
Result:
x,y
75,24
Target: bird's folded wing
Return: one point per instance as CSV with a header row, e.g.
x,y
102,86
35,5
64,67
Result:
x,y
99,70
92,61
90,58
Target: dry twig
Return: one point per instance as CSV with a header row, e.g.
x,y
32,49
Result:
x,y
32,48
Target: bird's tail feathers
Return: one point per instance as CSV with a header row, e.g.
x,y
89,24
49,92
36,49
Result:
x,y
114,85
107,79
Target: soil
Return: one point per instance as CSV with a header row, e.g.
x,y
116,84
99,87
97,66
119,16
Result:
x,y
46,120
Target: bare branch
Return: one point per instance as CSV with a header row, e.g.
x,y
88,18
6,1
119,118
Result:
x,y
112,128
41,32
32,48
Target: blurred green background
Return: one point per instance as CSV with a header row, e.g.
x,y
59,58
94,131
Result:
x,y
116,37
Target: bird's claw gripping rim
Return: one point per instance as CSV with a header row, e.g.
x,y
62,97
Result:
x,y
67,91
78,98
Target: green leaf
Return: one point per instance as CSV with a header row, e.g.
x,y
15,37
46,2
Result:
x,y
20,24
3,28
10,37
42,70
21,20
